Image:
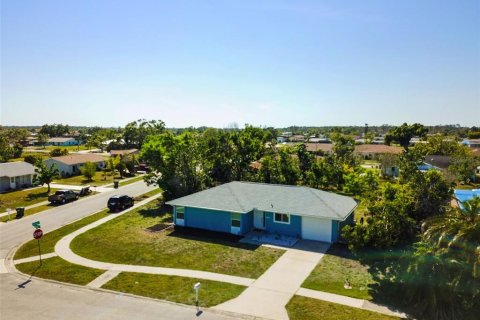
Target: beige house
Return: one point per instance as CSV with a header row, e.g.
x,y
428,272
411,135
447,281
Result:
x,y
70,165
122,153
16,175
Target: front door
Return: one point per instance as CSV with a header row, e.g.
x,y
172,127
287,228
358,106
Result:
x,y
259,219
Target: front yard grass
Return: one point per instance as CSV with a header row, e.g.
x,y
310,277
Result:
x,y
300,308
80,180
173,288
99,179
48,241
58,269
337,266
132,180
134,239
23,198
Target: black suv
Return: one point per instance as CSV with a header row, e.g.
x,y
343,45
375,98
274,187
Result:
x,y
116,203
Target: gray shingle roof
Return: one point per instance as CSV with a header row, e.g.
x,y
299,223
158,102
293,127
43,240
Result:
x,y
15,169
245,196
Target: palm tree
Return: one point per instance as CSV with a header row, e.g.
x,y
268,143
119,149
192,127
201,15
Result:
x,y
444,275
44,174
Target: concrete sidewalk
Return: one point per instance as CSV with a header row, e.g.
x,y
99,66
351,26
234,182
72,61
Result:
x,y
269,294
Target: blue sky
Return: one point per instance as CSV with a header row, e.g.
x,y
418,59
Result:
x,y
273,63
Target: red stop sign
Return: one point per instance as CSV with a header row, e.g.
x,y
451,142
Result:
x,y
37,234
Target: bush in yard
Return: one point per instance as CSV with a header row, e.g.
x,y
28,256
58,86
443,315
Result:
x,y
88,170
32,159
58,152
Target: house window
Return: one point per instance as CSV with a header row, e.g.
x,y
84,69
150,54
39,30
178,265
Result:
x,y
282,218
181,213
235,218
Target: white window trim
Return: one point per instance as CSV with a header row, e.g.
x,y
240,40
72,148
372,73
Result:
x,y
276,221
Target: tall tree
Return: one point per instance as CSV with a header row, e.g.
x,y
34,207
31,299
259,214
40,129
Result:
x,y
177,162
42,139
136,132
464,164
403,134
44,174
443,279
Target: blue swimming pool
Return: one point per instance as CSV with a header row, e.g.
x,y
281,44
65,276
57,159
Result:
x,y
464,195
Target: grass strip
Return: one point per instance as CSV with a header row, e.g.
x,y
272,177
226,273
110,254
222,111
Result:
x,y
58,269
337,266
301,308
174,288
49,239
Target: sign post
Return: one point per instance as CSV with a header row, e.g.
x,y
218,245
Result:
x,y
37,234
9,210
196,287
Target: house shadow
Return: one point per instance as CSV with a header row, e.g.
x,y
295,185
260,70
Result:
x,y
35,196
387,268
214,237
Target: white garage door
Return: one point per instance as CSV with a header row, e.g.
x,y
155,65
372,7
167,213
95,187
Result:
x,y
316,229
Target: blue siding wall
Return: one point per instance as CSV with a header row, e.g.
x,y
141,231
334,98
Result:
x,y
293,229
207,219
247,222
335,230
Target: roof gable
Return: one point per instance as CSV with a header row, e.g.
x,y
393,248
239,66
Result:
x,y
15,169
78,158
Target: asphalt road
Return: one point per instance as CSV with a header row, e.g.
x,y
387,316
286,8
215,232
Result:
x,y
16,232
40,299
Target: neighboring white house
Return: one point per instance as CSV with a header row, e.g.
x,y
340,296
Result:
x,y
63,142
70,165
281,139
16,175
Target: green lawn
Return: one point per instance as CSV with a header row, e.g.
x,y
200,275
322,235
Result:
x,y
23,198
302,308
80,180
336,266
128,240
58,269
173,288
49,239
132,180
98,180
28,212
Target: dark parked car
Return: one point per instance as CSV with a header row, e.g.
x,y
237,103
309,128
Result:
x,y
116,203
62,196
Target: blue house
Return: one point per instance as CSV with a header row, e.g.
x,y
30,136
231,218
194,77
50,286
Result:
x,y
239,207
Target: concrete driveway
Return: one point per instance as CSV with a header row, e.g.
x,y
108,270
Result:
x,y
269,294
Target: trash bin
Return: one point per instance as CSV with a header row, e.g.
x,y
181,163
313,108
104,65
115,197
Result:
x,y
20,212
115,184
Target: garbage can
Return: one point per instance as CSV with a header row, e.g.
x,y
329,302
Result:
x,y
20,212
115,184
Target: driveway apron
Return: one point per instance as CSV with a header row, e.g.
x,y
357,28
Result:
x,y
269,294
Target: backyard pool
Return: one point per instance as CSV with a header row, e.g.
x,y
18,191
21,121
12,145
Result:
x,y
464,195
